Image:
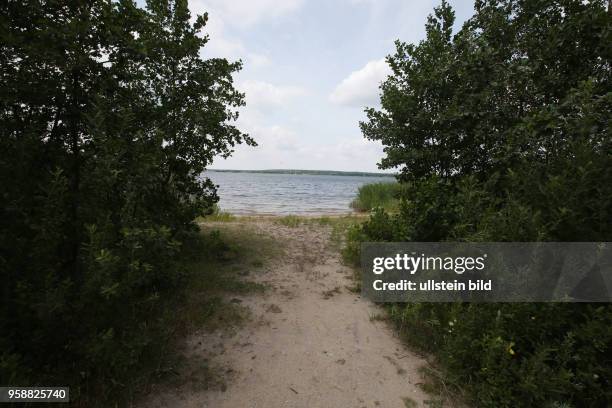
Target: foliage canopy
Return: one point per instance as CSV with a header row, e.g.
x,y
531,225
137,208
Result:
x,y
108,116
501,133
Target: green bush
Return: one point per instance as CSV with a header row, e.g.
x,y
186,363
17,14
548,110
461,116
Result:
x,y
492,146
370,196
108,116
219,215
516,354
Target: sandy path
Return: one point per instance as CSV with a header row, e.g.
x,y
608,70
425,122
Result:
x,y
311,342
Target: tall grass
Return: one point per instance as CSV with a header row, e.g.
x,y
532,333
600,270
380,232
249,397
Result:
x,y
219,215
384,194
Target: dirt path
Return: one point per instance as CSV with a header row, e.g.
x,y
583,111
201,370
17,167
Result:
x,y
310,342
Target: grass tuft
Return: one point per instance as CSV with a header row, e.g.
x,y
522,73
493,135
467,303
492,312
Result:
x,y
220,215
223,258
385,195
291,221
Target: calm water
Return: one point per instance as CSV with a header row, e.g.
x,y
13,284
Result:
x,y
264,193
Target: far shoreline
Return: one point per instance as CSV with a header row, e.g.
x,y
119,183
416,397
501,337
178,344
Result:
x,y
308,172
225,216
297,215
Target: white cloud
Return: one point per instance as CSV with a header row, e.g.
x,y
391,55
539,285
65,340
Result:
x,y
221,43
350,154
276,147
258,60
360,88
282,147
249,12
244,13
277,140
260,94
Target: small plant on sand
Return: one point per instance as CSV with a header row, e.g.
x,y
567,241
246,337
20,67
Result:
x,y
290,221
219,215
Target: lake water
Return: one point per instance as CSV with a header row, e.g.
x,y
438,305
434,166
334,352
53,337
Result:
x,y
284,194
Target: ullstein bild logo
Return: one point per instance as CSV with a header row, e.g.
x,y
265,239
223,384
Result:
x,y
487,272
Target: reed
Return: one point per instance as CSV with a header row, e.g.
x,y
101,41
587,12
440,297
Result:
x,y
384,194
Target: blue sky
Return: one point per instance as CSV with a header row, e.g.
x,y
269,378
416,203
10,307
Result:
x,y
310,67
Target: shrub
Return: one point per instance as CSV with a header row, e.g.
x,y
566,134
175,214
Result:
x,y
108,116
370,196
493,147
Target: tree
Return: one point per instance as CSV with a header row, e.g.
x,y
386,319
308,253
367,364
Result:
x,y
454,104
108,117
502,133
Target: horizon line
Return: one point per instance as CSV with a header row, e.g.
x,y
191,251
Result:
x,y
304,170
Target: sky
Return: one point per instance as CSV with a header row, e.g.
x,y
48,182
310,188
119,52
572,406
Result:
x,y
310,68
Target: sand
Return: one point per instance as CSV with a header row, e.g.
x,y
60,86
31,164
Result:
x,y
311,342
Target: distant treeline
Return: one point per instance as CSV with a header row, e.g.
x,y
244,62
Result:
x,y
309,172
501,132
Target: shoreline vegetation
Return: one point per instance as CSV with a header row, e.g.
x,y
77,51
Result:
x,y
493,147
111,112
384,195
